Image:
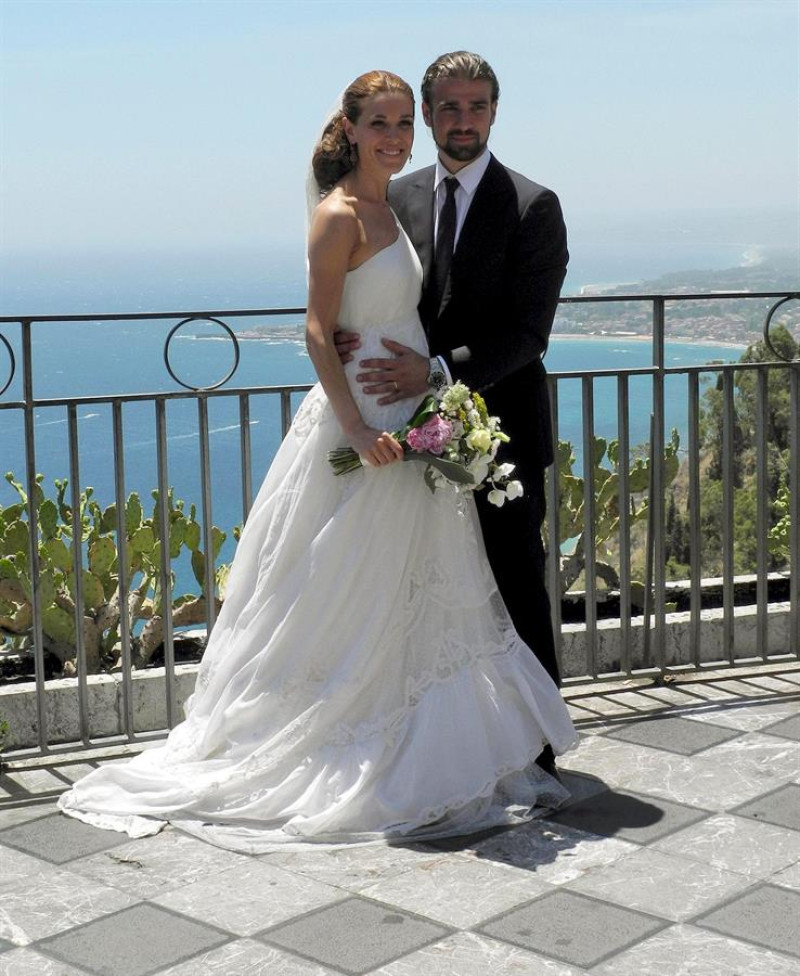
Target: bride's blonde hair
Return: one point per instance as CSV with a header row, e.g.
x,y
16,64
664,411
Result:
x,y
333,155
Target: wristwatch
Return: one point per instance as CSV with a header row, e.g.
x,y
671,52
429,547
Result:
x,y
436,375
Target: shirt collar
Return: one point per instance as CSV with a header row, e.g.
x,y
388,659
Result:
x,y
469,177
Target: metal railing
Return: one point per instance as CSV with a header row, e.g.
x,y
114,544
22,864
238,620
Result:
x,y
647,656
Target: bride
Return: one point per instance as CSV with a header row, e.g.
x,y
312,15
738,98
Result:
x,y
363,681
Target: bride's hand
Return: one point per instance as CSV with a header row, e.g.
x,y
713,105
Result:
x,y
376,447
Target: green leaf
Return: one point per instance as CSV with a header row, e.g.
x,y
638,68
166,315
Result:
x,y
143,540
199,568
58,624
192,534
133,513
48,519
7,569
177,535
102,554
93,594
59,555
217,538
108,520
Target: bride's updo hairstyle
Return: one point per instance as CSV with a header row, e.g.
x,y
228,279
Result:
x,y
333,155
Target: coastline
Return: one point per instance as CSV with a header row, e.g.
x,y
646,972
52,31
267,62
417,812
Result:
x,y
636,337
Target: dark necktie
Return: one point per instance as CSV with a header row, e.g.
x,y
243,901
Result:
x,y
445,239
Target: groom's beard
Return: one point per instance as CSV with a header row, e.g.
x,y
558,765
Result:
x,y
464,152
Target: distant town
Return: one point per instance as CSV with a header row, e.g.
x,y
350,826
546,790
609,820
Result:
x,y
724,321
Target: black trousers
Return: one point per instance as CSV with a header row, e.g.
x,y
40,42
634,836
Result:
x,y
513,538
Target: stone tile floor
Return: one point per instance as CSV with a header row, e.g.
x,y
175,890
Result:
x,y
679,855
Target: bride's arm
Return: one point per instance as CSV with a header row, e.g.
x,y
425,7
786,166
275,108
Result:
x,y
333,237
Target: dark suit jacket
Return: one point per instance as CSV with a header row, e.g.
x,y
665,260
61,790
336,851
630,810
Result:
x,y
505,279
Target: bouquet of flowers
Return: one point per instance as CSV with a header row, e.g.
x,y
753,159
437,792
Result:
x,y
458,441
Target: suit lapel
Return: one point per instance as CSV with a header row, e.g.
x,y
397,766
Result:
x,y
420,217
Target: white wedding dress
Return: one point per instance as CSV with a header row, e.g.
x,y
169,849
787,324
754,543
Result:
x,y
363,681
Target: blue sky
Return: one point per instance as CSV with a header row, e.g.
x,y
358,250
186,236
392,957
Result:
x,y
188,124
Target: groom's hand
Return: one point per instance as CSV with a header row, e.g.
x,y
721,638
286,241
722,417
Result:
x,y
404,375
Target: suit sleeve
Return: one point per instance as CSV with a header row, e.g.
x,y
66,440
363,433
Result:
x,y
531,284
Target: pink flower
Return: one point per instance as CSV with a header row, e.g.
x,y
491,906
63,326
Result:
x,y
433,436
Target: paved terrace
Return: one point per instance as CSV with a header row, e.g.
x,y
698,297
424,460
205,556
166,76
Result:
x,y
679,854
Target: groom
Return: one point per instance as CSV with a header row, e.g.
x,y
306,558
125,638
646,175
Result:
x,y
493,248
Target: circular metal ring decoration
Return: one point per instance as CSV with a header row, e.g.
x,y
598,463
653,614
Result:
x,y
12,362
768,323
232,336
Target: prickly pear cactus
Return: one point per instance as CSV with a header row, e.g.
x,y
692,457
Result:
x,y
99,556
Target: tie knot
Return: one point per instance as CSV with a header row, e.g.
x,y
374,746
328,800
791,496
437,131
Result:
x,y
451,184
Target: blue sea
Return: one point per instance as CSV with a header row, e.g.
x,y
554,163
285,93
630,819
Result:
x,y
96,359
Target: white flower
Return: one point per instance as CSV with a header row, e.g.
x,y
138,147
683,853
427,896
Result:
x,y
514,489
474,418
479,468
454,396
496,497
504,470
458,429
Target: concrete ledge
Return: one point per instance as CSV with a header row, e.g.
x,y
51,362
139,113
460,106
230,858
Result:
x,y
106,705
678,627
148,688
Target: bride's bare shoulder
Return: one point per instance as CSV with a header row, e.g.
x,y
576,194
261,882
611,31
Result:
x,y
335,220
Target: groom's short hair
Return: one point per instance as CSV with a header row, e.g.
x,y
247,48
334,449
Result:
x,y
459,64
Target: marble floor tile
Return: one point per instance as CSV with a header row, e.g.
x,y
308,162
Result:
x,y
780,807
355,936
138,941
684,950
458,892
637,703
748,718
248,898
773,682
788,877
154,865
353,868
765,915
554,853
34,782
672,734
716,783
708,691
669,886
28,962
788,728
628,816
742,688
11,815
59,839
581,786
770,755
572,928
470,954
63,900
736,844
604,758
18,868
246,957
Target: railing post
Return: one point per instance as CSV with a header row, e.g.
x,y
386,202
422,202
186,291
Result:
x,y
33,531
657,495
554,532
